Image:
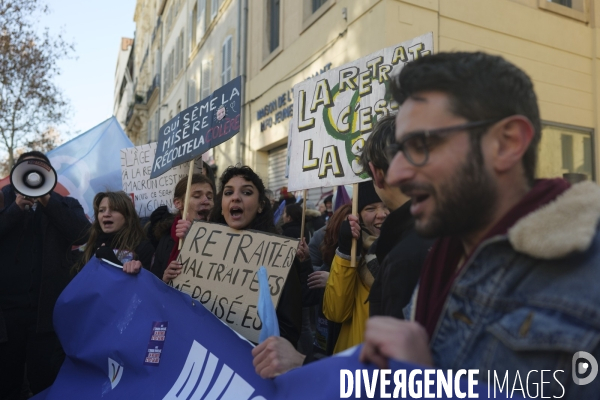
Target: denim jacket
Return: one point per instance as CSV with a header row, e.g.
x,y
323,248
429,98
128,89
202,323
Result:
x,y
529,300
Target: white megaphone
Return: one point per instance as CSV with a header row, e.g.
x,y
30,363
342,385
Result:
x,y
33,178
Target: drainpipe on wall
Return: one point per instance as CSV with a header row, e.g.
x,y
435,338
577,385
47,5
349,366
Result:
x,y
241,62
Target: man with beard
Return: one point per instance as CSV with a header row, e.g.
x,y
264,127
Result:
x,y
508,286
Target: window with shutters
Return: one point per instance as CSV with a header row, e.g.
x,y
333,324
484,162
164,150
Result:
x,y
226,57
177,57
206,69
180,50
273,17
193,28
172,67
201,20
565,150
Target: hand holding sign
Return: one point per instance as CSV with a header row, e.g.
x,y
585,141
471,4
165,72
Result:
x,y
220,266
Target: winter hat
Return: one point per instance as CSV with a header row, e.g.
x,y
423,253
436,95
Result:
x,y
366,195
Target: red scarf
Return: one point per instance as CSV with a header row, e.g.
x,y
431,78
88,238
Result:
x,y
175,250
439,271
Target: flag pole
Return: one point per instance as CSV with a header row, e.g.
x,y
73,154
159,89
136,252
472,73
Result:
x,y
186,204
354,212
303,214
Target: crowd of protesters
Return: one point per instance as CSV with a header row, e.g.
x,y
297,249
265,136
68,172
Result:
x,y
464,260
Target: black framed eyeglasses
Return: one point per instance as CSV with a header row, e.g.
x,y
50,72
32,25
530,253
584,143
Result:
x,y
416,145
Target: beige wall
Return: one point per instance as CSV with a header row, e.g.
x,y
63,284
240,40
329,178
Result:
x,y
558,50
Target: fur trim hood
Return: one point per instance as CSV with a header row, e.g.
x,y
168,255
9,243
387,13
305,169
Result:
x,y
310,213
566,225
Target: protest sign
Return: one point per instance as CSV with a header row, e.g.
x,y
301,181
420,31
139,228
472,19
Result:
x,y
149,194
220,268
335,112
204,125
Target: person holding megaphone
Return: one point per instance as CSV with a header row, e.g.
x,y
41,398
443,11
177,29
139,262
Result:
x,y
37,230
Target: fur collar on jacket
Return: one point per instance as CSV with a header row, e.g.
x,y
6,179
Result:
x,y
566,225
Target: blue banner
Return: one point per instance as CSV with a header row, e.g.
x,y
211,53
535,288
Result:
x,y
208,123
91,162
133,337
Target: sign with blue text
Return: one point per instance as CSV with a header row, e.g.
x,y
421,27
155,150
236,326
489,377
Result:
x,y
208,123
335,112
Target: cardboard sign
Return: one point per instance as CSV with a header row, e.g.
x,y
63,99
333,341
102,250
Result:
x,y
220,268
149,194
198,128
335,112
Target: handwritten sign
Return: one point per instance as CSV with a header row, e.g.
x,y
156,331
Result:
x,y
198,128
220,267
335,112
149,194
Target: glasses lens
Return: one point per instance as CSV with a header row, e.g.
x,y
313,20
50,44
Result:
x,y
415,149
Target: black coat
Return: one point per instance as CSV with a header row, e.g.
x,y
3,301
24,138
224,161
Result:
x,y
403,254
160,235
63,224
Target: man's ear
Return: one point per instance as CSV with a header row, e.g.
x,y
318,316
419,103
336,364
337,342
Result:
x,y
512,141
378,176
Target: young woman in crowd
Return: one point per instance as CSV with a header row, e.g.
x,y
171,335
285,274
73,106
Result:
x,y
116,234
168,228
242,204
347,289
327,331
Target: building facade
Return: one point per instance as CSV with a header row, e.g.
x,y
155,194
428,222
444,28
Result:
x,y
183,49
287,41
123,90
555,42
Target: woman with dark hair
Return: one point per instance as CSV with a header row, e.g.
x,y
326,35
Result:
x,y
116,234
243,204
168,228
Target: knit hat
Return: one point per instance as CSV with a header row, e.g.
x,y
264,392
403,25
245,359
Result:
x,y
366,195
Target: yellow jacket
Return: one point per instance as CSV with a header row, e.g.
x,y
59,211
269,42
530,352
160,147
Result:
x,y
345,300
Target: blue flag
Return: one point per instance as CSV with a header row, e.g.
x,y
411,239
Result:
x,y
266,310
91,162
279,212
133,337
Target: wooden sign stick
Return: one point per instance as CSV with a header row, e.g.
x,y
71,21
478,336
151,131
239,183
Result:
x,y
303,214
354,212
186,203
